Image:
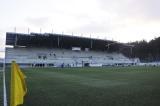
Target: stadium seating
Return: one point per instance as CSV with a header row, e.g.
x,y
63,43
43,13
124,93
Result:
x,y
48,57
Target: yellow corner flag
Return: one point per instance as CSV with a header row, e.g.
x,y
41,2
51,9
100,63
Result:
x,y
18,85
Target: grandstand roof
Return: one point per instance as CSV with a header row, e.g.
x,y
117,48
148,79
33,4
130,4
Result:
x,y
56,41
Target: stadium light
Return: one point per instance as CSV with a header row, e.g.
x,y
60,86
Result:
x,y
52,31
40,30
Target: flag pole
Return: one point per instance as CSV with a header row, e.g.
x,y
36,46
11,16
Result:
x,y
4,79
4,86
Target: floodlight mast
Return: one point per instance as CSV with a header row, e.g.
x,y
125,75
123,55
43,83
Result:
x,y
15,29
40,30
28,30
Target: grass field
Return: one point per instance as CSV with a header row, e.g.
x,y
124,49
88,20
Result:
x,y
119,86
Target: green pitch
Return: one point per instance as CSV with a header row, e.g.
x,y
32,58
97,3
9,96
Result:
x,y
119,86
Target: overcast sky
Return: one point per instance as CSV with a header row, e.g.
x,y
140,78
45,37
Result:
x,y
121,20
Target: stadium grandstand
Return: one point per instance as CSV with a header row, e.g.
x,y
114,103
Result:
x,y
59,50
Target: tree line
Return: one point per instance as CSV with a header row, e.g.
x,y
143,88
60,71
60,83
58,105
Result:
x,y
146,51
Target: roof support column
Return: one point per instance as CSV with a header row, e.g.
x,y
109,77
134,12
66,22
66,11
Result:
x,y
15,43
91,42
58,41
